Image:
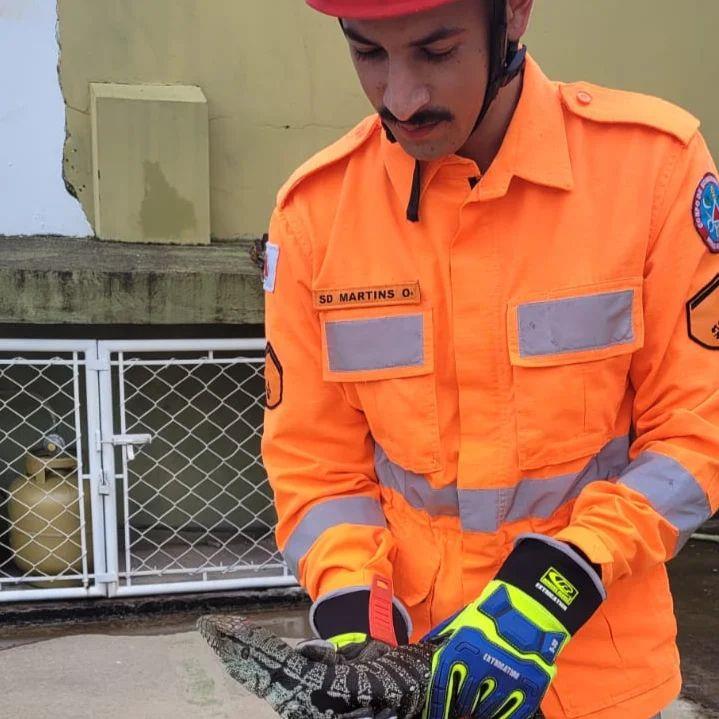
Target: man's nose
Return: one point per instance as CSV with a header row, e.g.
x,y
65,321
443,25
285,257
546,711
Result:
x,y
404,95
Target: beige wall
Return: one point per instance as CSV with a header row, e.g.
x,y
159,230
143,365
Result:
x,y
280,85
275,74
660,47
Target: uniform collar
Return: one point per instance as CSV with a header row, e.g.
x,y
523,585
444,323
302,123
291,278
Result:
x,y
535,147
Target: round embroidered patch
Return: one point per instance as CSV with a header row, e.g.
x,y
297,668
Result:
x,y
706,211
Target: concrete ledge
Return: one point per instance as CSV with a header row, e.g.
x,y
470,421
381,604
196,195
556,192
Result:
x,y
67,280
129,609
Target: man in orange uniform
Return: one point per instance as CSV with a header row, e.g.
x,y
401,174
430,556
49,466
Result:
x,y
492,315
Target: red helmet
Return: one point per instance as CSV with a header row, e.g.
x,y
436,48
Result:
x,y
374,9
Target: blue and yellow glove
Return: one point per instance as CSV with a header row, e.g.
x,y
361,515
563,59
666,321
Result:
x,y
497,656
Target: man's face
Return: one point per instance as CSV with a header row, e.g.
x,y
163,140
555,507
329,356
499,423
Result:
x,y
425,74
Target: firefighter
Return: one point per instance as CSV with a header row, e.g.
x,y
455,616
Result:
x,y
492,315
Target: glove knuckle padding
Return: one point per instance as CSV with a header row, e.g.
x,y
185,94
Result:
x,y
508,640
505,659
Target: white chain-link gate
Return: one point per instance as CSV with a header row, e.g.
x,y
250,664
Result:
x,y
132,467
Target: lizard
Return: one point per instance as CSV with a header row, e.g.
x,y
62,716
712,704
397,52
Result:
x,y
393,685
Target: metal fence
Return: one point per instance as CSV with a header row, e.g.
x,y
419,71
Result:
x,y
133,468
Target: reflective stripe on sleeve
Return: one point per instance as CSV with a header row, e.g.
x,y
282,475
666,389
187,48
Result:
x,y
576,323
358,345
343,510
486,510
671,490
415,488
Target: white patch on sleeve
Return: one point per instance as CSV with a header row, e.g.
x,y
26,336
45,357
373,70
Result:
x,y
272,256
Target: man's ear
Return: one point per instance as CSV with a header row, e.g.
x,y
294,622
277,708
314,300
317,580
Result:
x,y
518,14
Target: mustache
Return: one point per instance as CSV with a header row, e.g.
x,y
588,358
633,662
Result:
x,y
423,117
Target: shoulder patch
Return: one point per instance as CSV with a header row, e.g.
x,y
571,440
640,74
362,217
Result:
x,y
335,152
705,211
273,378
703,316
604,105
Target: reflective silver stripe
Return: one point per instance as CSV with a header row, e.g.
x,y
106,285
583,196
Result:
x,y
540,498
415,488
344,510
671,490
485,510
575,324
356,345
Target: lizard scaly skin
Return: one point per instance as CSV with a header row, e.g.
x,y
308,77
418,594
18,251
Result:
x,y
298,688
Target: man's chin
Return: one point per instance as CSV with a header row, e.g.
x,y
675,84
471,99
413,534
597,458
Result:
x,y
425,151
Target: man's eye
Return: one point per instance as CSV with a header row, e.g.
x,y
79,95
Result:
x,y
438,56
375,54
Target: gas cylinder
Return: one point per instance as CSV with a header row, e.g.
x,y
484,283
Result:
x,y
44,513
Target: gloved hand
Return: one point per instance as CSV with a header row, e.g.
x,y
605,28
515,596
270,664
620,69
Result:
x,y
496,657
358,624
354,647
369,714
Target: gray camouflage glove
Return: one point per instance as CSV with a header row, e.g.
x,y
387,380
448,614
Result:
x,y
367,714
327,651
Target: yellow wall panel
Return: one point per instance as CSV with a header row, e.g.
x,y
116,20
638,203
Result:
x,y
150,163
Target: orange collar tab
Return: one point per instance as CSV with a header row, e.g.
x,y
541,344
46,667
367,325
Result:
x,y
374,296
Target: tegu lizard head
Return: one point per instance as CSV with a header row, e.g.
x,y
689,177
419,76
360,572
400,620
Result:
x,y
249,652
222,633
231,638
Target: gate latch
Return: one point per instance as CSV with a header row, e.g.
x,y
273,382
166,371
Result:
x,y
130,441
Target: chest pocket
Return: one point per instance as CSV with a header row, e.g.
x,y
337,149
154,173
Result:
x,y
570,352
387,354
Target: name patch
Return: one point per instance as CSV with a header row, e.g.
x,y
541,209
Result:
x,y
404,294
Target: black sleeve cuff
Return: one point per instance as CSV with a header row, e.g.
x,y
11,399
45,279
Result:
x,y
553,574
348,611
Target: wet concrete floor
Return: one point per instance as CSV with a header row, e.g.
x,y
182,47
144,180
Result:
x,y
149,638
694,577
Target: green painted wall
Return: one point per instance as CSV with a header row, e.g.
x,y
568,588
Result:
x,y
280,85
276,76
660,47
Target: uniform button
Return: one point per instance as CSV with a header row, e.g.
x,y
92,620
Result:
x,y
584,97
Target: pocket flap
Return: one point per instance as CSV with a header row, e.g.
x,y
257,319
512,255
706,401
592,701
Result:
x,y
374,345
579,324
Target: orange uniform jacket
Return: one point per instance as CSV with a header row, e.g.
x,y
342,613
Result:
x,y
533,355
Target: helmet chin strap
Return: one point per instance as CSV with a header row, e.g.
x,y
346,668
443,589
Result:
x,y
513,65
506,58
